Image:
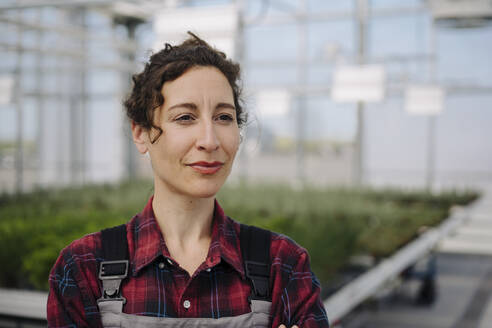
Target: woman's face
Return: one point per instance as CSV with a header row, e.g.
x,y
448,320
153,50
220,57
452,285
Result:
x,y
200,137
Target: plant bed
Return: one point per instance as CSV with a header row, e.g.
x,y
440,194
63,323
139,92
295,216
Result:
x,y
334,224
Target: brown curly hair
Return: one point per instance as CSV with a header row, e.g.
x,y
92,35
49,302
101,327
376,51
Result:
x,y
169,64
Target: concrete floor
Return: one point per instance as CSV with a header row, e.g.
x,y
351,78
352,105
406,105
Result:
x,y
464,284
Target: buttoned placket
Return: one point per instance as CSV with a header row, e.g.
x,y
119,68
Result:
x,y
186,301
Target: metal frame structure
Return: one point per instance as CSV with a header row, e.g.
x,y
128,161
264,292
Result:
x,y
74,65
371,282
69,47
77,63
362,16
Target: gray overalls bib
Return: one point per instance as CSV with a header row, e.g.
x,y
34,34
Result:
x,y
256,257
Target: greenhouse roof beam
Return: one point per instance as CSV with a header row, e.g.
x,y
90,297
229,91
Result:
x,y
58,95
394,90
55,3
336,15
119,65
269,63
73,32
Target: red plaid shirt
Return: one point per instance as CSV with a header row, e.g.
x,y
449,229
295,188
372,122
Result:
x,y
158,287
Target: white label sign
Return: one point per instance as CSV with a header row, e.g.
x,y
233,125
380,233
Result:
x,y
275,102
455,9
215,24
363,83
424,99
6,89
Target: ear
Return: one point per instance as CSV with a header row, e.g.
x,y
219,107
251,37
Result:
x,y
140,137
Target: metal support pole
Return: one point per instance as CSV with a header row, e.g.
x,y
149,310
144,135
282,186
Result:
x,y
431,149
40,104
77,107
19,155
74,17
431,126
83,106
239,57
362,9
130,24
359,147
131,158
73,132
302,74
61,104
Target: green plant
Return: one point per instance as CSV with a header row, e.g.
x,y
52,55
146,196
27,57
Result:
x,y
331,223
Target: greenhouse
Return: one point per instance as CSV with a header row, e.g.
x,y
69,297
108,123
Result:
x,y
357,132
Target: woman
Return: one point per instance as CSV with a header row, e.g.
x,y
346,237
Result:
x,y
182,261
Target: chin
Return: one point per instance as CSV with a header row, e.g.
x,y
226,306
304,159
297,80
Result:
x,y
203,190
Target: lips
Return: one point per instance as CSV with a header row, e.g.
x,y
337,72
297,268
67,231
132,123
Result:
x,y
206,167
207,164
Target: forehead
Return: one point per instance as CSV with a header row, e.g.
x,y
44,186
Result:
x,y
198,82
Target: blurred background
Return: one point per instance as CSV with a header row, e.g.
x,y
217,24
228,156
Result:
x,y
368,142
373,92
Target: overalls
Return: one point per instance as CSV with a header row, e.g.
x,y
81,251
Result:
x,y
255,248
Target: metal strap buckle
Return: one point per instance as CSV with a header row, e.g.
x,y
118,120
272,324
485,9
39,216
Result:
x,y
111,274
256,269
113,270
259,274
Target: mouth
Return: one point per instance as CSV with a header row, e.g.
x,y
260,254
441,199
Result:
x,y
206,167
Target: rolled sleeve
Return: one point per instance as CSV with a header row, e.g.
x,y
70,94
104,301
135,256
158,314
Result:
x,y
68,304
301,297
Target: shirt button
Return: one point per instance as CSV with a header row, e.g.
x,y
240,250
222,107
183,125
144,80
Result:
x,y
161,265
208,270
186,304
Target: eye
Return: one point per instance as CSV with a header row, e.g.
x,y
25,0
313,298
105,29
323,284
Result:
x,y
185,118
226,117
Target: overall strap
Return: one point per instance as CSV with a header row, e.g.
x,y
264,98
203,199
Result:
x,y
114,268
255,248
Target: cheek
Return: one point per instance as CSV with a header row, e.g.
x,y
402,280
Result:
x,y
177,141
232,143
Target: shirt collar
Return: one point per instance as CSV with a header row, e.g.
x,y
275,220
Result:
x,y
149,243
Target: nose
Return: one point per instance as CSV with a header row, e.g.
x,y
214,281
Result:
x,y
207,139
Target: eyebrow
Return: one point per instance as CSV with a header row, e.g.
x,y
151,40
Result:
x,y
225,105
194,107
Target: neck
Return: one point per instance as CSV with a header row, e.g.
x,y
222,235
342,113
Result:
x,y
183,220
